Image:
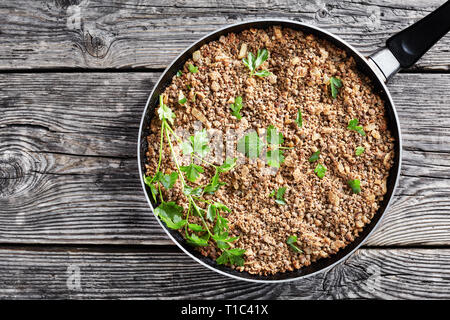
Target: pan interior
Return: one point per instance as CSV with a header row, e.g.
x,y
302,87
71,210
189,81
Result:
x,y
379,88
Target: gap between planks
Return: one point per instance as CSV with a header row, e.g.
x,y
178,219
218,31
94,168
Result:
x,y
160,70
163,246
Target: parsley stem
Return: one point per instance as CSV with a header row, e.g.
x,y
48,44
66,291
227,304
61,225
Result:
x,y
203,200
179,141
160,192
187,218
160,146
174,134
286,148
233,257
201,216
183,182
203,160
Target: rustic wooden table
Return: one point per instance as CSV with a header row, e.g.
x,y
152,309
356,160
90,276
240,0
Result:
x,y
74,223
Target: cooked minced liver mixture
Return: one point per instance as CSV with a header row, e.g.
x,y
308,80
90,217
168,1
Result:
x,y
324,214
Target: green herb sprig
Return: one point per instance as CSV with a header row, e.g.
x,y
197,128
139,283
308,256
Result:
x,y
299,119
192,68
291,241
314,157
181,98
335,85
353,125
320,170
355,185
279,195
254,62
236,107
359,151
171,213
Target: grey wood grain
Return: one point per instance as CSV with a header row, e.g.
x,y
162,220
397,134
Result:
x,y
130,34
68,171
80,273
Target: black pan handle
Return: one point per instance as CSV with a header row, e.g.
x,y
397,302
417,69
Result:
x,y
410,45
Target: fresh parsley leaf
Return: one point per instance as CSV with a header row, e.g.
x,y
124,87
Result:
x,y
314,157
196,241
192,171
355,185
213,187
223,239
221,224
232,256
197,211
359,151
168,180
222,244
335,84
154,191
214,184
158,176
236,107
171,214
250,61
262,73
149,182
291,242
228,165
261,56
320,170
250,145
211,213
181,98
299,118
279,194
353,125
179,73
253,63
196,227
275,157
221,207
192,68
164,112
189,191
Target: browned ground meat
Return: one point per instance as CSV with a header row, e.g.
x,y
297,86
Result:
x,y
324,214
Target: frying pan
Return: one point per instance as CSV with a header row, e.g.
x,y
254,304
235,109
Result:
x,y
402,51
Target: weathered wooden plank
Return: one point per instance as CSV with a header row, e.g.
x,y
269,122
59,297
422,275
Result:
x,y
68,172
77,273
124,34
